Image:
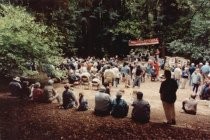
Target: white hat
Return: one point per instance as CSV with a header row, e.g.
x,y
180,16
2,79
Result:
x,y
17,79
50,82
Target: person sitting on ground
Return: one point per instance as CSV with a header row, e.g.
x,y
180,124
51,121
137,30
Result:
x,y
38,93
83,104
205,91
141,109
190,105
102,103
107,86
50,93
15,87
69,99
119,106
26,91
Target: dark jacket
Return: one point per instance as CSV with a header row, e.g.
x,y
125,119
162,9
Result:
x,y
15,88
168,90
119,108
69,99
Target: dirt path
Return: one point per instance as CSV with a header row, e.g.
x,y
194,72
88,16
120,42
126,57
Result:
x,y
25,120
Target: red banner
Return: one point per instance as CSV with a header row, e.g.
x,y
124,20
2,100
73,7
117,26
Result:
x,y
139,42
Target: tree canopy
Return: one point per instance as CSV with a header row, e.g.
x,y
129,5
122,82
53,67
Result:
x,y
41,31
22,41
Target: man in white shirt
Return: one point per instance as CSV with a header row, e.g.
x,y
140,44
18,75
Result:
x,y
178,74
190,105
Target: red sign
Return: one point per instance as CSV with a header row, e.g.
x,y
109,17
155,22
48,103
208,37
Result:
x,y
139,42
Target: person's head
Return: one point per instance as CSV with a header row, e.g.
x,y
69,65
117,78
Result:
x,y
50,82
17,79
197,70
37,85
200,64
66,86
139,95
192,64
81,95
138,67
119,94
167,74
102,89
193,96
25,83
106,84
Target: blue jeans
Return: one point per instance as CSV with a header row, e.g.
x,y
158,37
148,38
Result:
x,y
137,81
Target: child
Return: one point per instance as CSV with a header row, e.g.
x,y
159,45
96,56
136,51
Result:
x,y
83,104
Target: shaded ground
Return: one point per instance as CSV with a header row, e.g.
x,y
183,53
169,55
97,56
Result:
x,y
26,120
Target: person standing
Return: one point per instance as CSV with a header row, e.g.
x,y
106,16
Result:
x,y
178,74
185,75
125,70
196,80
167,91
191,70
137,74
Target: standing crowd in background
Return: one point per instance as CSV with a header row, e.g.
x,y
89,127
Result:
x,y
103,74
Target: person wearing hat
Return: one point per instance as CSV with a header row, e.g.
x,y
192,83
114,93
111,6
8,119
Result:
x,y
69,99
119,106
102,103
190,105
141,109
15,87
50,93
38,93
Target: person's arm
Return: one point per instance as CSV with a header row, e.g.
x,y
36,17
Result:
x,y
161,88
74,98
54,92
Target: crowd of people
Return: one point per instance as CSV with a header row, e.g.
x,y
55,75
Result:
x,y
106,73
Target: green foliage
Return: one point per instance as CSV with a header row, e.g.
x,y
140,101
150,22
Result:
x,y
196,41
129,28
66,20
23,40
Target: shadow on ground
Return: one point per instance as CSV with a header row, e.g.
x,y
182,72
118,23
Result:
x,y
26,120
